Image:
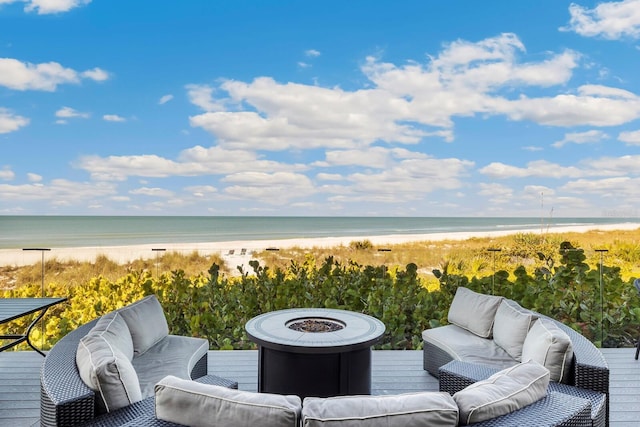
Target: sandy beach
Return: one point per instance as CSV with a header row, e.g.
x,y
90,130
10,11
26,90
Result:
x,y
240,252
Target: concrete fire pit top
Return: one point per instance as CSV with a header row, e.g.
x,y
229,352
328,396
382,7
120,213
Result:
x,y
272,330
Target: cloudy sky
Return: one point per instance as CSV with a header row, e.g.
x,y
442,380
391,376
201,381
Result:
x,y
333,107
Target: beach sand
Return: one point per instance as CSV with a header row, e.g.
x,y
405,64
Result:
x,y
240,252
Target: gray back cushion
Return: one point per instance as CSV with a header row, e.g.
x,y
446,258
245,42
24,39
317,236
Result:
x,y
502,393
198,405
407,410
511,327
146,322
551,347
473,311
114,329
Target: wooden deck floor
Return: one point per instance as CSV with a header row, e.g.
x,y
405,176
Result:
x,y
393,372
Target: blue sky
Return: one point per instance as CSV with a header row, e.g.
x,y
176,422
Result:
x,y
386,108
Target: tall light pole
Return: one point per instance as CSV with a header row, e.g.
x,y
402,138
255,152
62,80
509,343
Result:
x,y
493,279
601,251
157,251
42,250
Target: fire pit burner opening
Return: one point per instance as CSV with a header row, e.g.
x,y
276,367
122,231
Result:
x,y
315,324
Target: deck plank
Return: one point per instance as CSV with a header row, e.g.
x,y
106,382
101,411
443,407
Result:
x,y
392,372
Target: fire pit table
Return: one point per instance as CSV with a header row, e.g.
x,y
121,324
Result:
x,y
314,351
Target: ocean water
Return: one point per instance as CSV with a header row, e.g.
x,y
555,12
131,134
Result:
x,y
75,231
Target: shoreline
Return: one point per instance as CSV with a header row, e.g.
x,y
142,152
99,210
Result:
x,y
240,251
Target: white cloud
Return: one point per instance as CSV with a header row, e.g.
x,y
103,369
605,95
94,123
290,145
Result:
x,y
312,53
58,190
45,7
196,161
113,118
408,104
68,113
588,137
303,64
10,122
7,174
630,137
496,193
271,188
202,96
45,76
538,168
532,148
165,98
201,190
96,74
329,177
610,20
614,166
153,192
619,188
34,177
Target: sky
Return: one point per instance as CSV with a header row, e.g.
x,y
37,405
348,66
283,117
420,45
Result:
x,y
320,108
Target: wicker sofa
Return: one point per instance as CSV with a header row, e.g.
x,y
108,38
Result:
x,y
583,373
67,400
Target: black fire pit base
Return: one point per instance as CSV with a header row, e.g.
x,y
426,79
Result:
x,y
335,361
314,375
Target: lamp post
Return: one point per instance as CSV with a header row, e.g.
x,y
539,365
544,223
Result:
x,y
493,279
157,251
384,266
601,251
42,250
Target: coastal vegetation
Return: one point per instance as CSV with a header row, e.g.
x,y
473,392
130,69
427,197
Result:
x,y
407,286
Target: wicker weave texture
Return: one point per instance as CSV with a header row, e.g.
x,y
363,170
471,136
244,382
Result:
x,y
65,400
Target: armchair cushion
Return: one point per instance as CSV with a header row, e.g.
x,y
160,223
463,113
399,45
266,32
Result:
x,y
502,393
473,311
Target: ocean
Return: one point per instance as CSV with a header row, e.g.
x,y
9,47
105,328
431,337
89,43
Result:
x,y
79,231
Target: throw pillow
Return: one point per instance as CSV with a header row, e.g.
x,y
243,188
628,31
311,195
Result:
x,y
190,403
512,323
115,330
411,409
551,347
473,311
146,322
108,372
503,392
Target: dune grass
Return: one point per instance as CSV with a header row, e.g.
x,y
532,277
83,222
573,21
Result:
x,y
470,257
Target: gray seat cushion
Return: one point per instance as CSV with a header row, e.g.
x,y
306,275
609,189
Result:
x,y
202,405
463,345
173,355
407,410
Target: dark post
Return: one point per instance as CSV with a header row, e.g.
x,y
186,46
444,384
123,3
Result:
x,y
42,250
493,279
157,251
602,251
